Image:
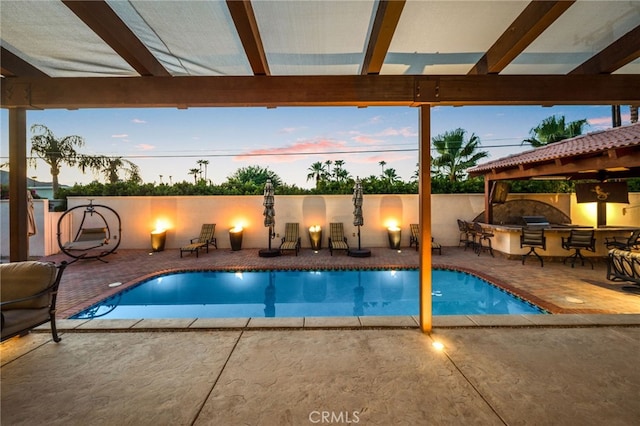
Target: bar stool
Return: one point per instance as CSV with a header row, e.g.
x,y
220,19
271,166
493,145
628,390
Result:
x,y
533,238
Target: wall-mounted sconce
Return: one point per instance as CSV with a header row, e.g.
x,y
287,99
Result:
x,y
395,236
235,237
158,239
315,237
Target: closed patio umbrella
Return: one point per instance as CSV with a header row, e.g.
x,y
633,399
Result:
x,y
269,218
358,219
31,219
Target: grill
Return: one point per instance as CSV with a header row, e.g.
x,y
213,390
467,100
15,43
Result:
x,y
535,221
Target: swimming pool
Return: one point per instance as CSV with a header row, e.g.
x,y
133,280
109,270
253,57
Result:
x,y
223,294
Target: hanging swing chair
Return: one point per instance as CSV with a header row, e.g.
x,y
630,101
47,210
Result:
x,y
94,239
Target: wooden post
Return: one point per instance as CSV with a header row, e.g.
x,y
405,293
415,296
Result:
x,y
424,202
18,238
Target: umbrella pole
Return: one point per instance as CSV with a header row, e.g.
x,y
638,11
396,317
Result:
x,y
270,238
359,248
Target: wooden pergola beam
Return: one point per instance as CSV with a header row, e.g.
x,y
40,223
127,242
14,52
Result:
x,y
12,65
384,26
618,54
532,22
273,91
102,20
247,27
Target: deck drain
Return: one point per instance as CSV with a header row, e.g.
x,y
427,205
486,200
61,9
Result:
x,y
573,300
116,284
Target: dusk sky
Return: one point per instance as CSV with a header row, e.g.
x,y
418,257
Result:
x,y
169,142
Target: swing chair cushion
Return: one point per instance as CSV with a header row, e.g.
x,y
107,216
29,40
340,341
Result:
x,y
89,238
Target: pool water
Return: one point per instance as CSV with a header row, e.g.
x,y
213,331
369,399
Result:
x,y
221,294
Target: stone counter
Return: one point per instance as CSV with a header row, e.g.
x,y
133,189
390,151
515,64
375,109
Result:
x,y
506,239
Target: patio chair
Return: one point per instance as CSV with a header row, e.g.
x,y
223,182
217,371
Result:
x,y
28,296
579,239
205,239
291,239
630,243
414,238
533,238
337,240
482,239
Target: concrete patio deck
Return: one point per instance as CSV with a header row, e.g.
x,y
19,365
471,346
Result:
x,y
573,368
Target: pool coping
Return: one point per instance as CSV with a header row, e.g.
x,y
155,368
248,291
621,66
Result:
x,y
338,323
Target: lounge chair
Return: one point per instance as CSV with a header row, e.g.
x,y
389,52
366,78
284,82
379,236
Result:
x,y
578,240
337,240
414,238
291,239
633,242
205,239
533,238
28,296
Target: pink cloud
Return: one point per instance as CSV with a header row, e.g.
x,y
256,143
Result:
x,y
600,123
286,154
366,139
405,131
145,147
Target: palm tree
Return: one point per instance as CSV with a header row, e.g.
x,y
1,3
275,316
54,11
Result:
x,y
328,170
195,173
382,164
338,172
204,163
391,175
316,171
553,129
54,152
456,154
112,165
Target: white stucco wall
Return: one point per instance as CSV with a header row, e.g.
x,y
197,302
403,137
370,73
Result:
x,y
184,215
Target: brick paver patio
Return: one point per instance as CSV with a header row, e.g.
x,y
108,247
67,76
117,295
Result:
x,y
556,287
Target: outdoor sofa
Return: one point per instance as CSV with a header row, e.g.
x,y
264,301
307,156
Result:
x,y
28,296
623,265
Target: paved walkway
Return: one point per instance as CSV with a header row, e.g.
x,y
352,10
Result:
x,y
538,370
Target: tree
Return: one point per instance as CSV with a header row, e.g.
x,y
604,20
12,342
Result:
x,y
456,154
391,176
113,165
339,173
195,173
553,129
316,171
55,152
328,169
204,163
382,164
254,175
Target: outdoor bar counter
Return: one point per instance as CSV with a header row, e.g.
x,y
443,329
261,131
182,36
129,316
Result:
x,y
506,239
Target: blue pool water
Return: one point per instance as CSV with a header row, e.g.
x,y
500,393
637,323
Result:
x,y
218,294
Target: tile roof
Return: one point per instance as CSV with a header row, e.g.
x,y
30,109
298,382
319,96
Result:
x,y
589,144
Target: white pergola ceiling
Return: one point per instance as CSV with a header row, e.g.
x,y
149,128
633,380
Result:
x,y
319,38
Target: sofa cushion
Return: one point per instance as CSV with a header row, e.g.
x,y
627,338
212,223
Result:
x,y
23,279
14,320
